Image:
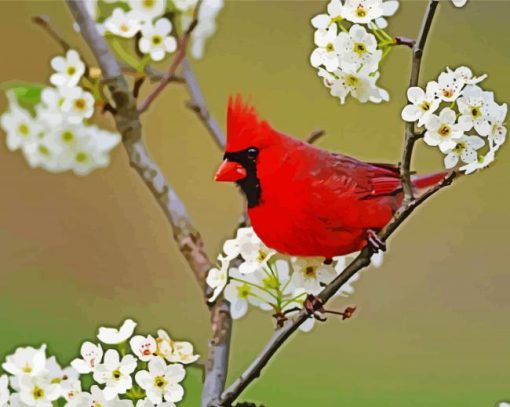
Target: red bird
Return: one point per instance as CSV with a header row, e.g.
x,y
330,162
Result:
x,y
305,201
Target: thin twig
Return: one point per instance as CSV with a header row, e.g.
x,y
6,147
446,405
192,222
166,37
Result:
x,y
199,106
363,259
44,22
408,42
315,136
179,56
410,137
187,237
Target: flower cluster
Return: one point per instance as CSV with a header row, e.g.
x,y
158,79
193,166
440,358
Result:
x,y
253,274
459,118
53,130
156,364
348,59
152,24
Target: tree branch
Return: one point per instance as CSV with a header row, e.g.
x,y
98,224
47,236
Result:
x,y
410,136
199,106
409,204
315,135
44,22
179,56
187,237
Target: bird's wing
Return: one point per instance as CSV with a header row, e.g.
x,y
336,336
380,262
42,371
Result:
x,y
347,192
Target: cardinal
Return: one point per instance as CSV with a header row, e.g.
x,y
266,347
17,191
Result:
x,y
303,200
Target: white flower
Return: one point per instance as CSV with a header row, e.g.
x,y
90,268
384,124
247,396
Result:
x,y
362,11
474,105
239,292
37,391
389,7
18,124
49,111
156,40
143,346
77,104
459,3
43,152
91,357
68,69
358,49
27,361
248,245
465,150
206,26
115,373
85,149
70,388
161,382
311,274
182,352
164,344
443,131
148,9
322,21
497,117
423,104
465,74
4,390
482,162
326,52
148,403
66,379
113,336
448,86
123,24
97,398
359,85
217,278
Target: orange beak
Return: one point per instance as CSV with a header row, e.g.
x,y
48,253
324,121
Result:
x,y
230,171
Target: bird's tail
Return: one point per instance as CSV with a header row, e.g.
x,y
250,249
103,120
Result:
x,y
424,181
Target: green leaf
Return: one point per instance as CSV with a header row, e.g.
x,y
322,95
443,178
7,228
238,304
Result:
x,y
27,94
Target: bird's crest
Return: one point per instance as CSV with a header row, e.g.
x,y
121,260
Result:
x,y
244,127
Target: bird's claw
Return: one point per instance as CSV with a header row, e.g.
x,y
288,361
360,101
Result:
x,y
375,242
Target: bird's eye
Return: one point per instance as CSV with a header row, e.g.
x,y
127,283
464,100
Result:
x,y
252,152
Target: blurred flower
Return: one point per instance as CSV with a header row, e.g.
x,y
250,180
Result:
x,y
113,336
115,373
206,26
77,104
482,162
122,23
164,344
497,133
156,40
148,10
68,69
161,382
18,125
143,346
27,361
91,357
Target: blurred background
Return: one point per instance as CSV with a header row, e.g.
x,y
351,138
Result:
x,y
432,327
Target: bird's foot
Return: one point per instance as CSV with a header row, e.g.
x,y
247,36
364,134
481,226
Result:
x,y
313,305
375,242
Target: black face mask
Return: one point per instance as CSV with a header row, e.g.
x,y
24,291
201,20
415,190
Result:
x,y
250,185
